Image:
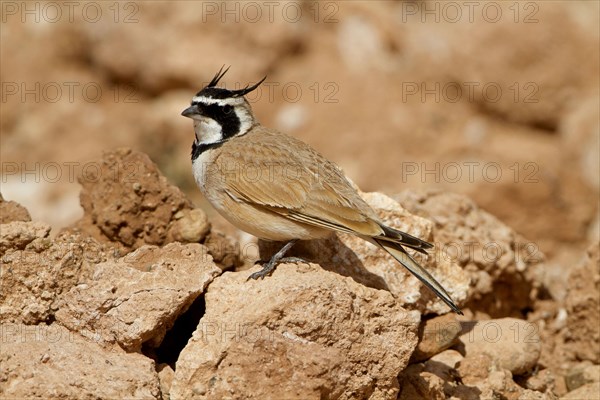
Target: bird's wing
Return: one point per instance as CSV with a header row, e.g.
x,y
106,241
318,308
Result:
x,y
286,176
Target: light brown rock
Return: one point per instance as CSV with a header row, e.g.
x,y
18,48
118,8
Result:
x,y
582,374
501,265
474,368
419,383
591,391
512,343
36,269
191,226
48,361
16,235
301,333
540,381
583,308
444,364
482,377
11,211
224,249
580,131
435,378
416,383
126,200
165,376
136,299
436,335
448,357
351,256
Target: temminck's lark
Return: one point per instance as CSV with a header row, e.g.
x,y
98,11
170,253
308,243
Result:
x,y
278,188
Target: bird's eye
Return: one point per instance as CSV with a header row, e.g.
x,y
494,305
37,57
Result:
x,y
227,109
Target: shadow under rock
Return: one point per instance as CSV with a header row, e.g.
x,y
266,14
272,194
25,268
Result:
x,y
332,255
465,327
177,337
453,385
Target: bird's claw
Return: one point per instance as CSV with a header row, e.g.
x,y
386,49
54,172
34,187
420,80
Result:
x,y
260,274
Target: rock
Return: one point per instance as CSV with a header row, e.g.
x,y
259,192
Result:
x,y
301,333
191,226
580,131
224,250
436,335
137,298
165,376
416,383
475,367
126,200
582,374
11,211
483,376
16,235
36,270
449,375
444,364
541,381
48,361
514,344
436,378
583,308
499,383
501,265
591,373
591,391
351,256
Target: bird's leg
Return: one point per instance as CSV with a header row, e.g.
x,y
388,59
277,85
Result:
x,y
276,259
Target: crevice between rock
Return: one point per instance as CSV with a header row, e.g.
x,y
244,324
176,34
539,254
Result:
x,y
177,337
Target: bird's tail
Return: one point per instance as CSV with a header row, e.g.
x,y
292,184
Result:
x,y
398,252
394,235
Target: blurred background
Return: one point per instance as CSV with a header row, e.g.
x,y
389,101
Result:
x,y
495,100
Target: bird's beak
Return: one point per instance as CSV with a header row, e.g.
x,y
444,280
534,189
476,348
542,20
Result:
x,y
190,111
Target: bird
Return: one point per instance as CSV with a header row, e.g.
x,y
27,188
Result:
x,y
278,188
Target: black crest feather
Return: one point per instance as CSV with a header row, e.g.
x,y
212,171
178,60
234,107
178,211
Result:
x,y
247,89
218,76
211,90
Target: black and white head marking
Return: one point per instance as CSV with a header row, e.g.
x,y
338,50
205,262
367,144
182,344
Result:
x,y
219,114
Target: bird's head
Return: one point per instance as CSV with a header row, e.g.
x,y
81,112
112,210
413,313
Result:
x,y
220,114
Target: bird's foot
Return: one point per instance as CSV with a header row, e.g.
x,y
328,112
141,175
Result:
x,y
266,270
277,258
